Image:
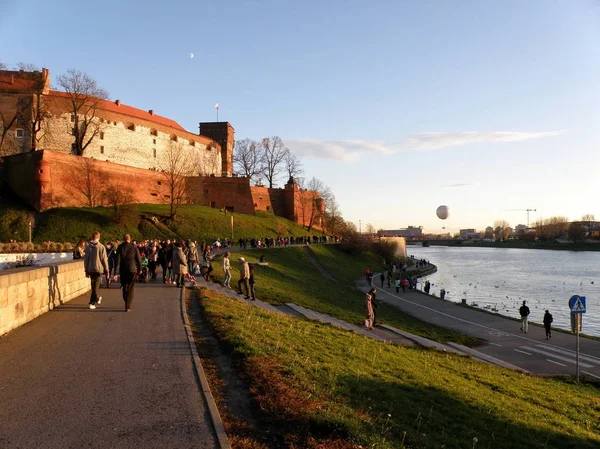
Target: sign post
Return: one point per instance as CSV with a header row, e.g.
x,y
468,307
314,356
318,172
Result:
x,y
232,227
577,304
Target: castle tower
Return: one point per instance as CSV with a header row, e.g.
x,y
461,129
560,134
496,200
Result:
x,y
223,133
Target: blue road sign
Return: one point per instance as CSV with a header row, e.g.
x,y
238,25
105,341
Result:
x,y
577,304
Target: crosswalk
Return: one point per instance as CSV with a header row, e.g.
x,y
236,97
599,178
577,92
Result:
x,y
561,356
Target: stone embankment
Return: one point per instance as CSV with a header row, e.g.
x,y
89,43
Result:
x,y
26,293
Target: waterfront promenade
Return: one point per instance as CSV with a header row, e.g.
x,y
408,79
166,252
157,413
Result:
x,y
104,378
531,351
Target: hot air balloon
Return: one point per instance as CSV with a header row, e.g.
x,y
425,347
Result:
x,y
442,212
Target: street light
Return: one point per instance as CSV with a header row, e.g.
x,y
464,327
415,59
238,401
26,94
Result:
x,y
359,227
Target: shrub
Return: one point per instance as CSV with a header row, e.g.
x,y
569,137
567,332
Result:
x,y
29,247
68,246
13,247
59,247
51,247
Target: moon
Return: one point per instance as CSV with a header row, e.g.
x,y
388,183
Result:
x,y
191,55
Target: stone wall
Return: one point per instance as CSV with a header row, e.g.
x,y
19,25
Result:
x,y
135,143
26,293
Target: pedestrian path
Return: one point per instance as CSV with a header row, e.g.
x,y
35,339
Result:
x,y
528,351
103,378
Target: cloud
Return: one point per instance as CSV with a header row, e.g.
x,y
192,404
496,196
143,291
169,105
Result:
x,y
352,150
461,185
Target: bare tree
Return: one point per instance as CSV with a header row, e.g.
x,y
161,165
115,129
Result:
x,y
590,221
84,97
117,197
175,165
309,197
501,227
86,178
273,153
27,67
247,159
577,231
370,229
293,165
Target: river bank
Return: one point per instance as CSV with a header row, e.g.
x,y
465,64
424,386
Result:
x,y
522,244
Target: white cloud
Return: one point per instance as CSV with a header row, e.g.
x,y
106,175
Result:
x,y
352,150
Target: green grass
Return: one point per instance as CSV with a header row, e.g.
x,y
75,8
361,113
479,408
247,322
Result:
x,y
291,277
347,267
327,388
193,222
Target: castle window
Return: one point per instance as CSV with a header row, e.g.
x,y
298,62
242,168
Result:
x,y
212,204
20,133
173,137
101,135
72,118
154,141
115,123
154,151
154,133
192,143
159,183
102,149
255,204
130,126
154,194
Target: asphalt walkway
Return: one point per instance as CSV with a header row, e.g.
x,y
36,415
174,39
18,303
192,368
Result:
x,y
505,341
103,378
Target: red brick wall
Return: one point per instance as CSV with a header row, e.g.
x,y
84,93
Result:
x,y
45,179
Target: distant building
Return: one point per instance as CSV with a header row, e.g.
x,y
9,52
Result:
x,y
412,232
520,229
469,234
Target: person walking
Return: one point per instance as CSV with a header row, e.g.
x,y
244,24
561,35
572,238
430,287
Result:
x,y
129,266
192,257
252,282
382,278
524,312
163,261
370,312
179,265
79,250
548,323
227,270
397,285
111,254
95,263
244,277
373,293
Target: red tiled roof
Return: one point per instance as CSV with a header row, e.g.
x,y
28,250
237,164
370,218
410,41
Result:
x,y
130,111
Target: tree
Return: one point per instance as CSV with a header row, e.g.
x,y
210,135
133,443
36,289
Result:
x,y
577,231
500,229
86,178
117,197
26,67
590,221
273,155
293,165
370,229
247,159
175,165
84,96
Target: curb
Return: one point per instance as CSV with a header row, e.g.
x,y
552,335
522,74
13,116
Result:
x,y
488,358
210,400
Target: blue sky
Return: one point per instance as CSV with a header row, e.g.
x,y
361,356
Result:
x,y
390,103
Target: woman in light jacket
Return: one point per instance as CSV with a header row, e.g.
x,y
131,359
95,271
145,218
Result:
x,y
179,264
370,312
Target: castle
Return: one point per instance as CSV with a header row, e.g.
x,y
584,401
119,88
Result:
x,y
127,145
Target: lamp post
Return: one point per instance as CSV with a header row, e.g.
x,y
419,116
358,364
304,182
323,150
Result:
x,y
359,227
30,232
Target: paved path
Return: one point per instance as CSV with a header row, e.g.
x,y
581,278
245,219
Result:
x,y
530,351
103,378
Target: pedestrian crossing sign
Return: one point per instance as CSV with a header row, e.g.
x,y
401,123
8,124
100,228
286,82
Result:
x,y
577,304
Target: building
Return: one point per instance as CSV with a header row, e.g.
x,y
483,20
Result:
x,y
129,147
469,234
412,232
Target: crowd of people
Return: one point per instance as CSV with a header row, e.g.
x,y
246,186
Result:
x,y
179,261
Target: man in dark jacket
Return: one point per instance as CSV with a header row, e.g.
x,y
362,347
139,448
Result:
x,y
524,312
129,265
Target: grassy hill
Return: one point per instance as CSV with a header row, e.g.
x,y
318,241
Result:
x,y
321,387
195,222
291,277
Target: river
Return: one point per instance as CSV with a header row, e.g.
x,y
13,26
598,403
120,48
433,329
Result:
x,y
499,279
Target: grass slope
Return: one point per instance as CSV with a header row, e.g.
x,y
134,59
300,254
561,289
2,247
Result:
x,y
327,388
291,277
194,222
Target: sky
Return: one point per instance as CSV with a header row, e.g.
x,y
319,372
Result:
x,y
399,107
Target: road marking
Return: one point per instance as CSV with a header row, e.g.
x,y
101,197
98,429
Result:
x,y
495,344
558,357
552,361
590,374
522,352
589,358
413,303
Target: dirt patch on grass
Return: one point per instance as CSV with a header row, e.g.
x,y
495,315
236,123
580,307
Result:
x,y
260,405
